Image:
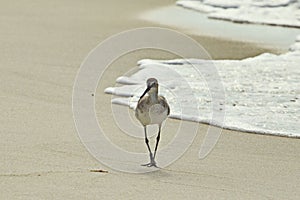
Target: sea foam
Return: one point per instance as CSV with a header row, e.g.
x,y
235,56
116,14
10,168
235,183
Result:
x,y
279,12
262,93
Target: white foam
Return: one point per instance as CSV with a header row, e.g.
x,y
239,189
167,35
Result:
x,y
262,93
271,12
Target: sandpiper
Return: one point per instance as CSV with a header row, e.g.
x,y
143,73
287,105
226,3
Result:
x,y
152,109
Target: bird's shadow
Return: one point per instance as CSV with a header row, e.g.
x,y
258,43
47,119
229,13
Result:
x,y
159,173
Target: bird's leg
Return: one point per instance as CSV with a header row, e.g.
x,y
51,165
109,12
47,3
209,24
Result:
x,y
157,141
152,162
147,143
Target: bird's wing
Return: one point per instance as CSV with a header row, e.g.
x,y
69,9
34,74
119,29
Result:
x,y
141,102
164,103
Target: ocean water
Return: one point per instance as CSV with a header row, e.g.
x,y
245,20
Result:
x,y
259,94
278,12
199,23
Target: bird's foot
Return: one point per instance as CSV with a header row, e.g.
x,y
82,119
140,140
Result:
x,y
151,164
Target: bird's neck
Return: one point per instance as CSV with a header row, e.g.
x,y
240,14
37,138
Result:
x,y
153,94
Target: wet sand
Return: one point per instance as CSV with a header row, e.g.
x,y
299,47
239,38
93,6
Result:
x,y
41,156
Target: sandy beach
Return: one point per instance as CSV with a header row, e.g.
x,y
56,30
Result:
x,y
42,45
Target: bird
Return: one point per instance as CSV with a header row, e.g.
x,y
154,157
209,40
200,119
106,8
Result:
x,y
152,109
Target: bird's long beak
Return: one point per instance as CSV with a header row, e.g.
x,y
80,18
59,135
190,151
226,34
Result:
x,y
148,88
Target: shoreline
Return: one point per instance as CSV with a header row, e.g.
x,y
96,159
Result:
x,y
277,38
244,131
41,154
191,7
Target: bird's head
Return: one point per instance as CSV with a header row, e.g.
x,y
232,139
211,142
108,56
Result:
x,y
152,86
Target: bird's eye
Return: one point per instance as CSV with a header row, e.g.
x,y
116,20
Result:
x,y
153,84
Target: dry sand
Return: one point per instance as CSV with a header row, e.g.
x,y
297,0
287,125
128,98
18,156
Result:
x,y
42,44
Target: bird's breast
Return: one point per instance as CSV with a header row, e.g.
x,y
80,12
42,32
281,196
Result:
x,y
149,112
157,114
